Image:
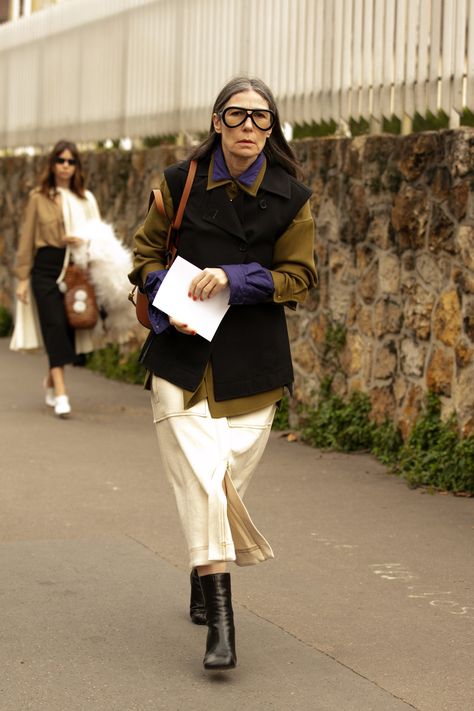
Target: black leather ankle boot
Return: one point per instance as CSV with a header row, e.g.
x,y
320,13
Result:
x,y
197,609
220,645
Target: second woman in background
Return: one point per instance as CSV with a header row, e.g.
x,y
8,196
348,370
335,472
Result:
x,y
55,212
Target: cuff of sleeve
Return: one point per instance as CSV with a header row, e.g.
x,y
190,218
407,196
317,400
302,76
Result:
x,y
236,277
153,282
158,319
248,283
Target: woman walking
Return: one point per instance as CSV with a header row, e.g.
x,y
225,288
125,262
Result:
x,y
248,227
58,206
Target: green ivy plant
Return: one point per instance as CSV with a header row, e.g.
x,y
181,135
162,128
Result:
x,y
117,366
6,322
435,455
340,425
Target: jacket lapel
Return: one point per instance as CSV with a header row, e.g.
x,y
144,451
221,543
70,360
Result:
x,y
219,210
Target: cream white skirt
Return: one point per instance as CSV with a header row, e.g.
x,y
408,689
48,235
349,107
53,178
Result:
x,y
209,462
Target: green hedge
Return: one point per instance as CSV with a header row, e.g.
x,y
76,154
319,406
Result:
x,y
434,456
116,365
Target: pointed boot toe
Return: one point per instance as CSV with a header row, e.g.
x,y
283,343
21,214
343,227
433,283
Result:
x,y
220,645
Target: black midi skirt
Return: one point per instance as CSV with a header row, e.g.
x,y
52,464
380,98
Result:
x,y
58,336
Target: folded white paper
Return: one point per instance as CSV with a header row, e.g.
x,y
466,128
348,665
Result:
x,y
203,317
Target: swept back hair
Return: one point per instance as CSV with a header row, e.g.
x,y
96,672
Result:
x,y
47,182
277,148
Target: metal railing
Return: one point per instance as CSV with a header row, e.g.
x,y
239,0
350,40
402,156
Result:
x,y
94,70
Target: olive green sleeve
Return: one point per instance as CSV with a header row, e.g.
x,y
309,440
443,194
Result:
x,y
26,245
294,269
149,253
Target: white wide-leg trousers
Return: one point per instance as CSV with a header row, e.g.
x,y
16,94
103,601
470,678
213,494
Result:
x,y
209,463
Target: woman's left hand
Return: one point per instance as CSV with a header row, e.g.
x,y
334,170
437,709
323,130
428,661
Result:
x,y
208,283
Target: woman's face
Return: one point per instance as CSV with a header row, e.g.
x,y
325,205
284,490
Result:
x,y
63,168
247,140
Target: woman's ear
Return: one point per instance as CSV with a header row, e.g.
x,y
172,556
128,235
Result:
x,y
217,123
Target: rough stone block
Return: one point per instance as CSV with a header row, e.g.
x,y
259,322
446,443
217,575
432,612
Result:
x,y
413,356
447,318
388,317
410,217
389,274
440,370
383,404
386,361
417,310
465,242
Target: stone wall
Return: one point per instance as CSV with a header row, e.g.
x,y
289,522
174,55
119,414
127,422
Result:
x,y
395,247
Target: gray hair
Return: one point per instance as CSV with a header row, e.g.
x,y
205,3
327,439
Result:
x,y
276,148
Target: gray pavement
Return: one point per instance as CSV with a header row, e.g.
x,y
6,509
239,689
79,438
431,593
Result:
x,y
368,606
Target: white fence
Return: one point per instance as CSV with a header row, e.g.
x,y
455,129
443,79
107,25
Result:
x,y
93,69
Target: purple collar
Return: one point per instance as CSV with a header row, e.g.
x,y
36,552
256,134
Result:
x,y
221,172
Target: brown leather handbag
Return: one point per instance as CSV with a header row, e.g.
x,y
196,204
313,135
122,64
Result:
x,y
137,297
79,300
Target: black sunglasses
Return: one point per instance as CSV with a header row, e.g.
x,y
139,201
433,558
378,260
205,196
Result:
x,y
62,161
234,116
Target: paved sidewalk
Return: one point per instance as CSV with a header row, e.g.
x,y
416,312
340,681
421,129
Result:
x,y
368,606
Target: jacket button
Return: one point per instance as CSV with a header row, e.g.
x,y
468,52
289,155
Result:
x,y
243,247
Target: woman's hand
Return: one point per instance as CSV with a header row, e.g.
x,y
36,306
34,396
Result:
x,y
73,241
182,327
205,285
22,290
208,283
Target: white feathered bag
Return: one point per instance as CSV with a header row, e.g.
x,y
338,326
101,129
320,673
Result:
x,y
109,263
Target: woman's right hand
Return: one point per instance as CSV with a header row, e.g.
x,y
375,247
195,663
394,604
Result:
x,y
182,327
73,241
22,290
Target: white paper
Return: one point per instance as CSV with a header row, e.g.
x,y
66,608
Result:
x,y
203,317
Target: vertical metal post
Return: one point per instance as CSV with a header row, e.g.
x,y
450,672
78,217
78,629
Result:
x,y
407,125
15,9
375,125
454,118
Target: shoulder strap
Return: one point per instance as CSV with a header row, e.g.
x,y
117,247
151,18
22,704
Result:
x,y
171,245
160,205
184,197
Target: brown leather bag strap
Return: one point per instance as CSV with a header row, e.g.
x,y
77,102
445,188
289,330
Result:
x,y
176,223
160,205
184,197
159,202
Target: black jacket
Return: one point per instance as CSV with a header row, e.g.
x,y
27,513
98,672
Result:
x,y
250,352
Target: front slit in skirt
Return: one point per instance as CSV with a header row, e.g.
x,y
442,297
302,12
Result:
x,y
209,463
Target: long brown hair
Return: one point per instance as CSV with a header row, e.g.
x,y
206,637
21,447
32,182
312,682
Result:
x,y
276,148
47,183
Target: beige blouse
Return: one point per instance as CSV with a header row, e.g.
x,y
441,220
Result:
x,y
43,226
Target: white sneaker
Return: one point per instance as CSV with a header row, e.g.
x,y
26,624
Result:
x,y
62,408
49,397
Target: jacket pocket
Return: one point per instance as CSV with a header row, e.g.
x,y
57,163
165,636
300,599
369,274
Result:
x,y
167,401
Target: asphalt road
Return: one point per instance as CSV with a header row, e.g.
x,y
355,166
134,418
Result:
x,y
368,605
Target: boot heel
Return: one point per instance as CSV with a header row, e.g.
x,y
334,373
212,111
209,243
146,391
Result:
x,y
220,645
